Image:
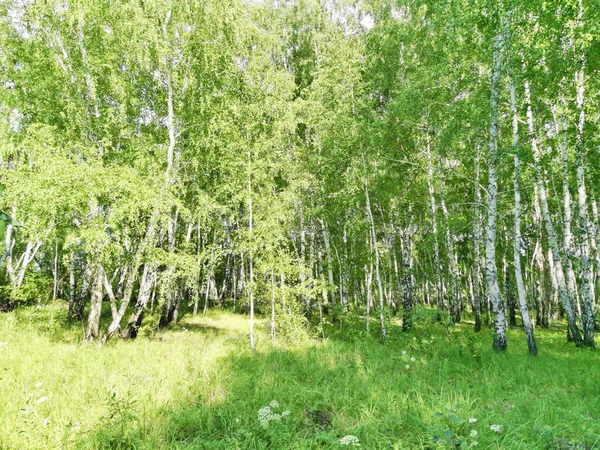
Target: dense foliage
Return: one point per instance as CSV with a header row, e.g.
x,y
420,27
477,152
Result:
x,y
309,160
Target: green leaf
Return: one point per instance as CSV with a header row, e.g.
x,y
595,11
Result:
x,y
455,419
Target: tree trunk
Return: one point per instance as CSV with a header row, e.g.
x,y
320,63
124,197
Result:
x,y
115,325
303,286
527,326
407,297
250,254
135,320
558,267
477,246
500,343
586,263
454,301
329,261
92,331
272,327
434,225
377,274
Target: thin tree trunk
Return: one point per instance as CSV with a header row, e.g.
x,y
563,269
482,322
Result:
x,y
558,267
407,297
207,291
377,274
527,326
368,294
344,278
477,246
303,287
55,281
500,343
17,274
92,331
567,215
250,254
111,295
199,285
595,238
454,301
329,262
273,336
581,161
434,225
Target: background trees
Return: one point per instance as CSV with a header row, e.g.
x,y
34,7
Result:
x,y
302,158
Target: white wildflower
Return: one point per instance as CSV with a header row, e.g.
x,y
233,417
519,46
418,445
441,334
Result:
x,y
285,413
267,414
413,359
472,420
403,352
350,440
496,428
407,367
473,433
41,400
39,384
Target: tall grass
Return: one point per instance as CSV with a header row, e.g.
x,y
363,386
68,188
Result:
x,y
197,386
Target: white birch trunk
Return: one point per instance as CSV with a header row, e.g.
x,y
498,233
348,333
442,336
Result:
x,y
250,254
558,267
477,245
377,274
588,318
434,225
527,325
500,343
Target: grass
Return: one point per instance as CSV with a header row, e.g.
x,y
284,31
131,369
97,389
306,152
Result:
x,y
197,386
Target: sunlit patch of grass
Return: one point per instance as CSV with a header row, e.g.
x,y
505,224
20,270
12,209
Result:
x,y
197,386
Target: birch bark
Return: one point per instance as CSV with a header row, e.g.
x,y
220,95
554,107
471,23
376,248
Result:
x,y
558,266
500,343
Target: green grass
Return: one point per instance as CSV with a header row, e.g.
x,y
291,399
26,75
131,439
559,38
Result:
x,y
197,386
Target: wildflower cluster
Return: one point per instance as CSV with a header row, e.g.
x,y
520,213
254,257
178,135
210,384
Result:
x,y
453,431
473,433
405,358
267,414
350,441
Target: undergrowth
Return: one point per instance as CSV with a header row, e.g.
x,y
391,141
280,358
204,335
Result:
x,y
197,386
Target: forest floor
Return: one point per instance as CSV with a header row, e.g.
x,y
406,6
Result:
x,y
197,386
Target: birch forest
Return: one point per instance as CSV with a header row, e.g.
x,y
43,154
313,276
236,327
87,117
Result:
x,y
299,224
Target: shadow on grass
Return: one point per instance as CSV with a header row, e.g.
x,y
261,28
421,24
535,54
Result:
x,y
417,391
